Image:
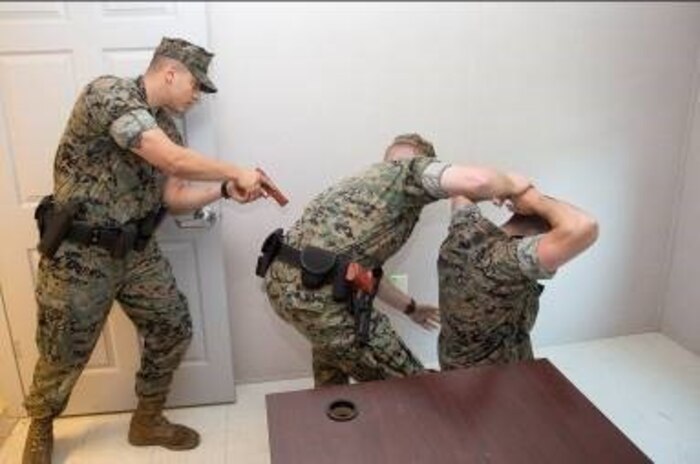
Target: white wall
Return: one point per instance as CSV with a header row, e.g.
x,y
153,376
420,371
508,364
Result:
x,y
591,100
682,309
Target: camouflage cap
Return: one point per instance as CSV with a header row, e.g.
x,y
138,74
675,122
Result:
x,y
194,57
415,140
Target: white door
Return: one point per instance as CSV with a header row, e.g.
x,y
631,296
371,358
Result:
x,y
48,51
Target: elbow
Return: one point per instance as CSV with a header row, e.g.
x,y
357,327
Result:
x,y
587,231
591,230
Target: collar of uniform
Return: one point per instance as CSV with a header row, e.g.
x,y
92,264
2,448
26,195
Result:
x,y
467,215
466,209
142,93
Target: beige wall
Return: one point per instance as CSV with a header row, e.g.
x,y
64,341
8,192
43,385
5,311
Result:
x,y
592,100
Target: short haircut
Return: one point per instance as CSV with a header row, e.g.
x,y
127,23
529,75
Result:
x,y
424,147
159,62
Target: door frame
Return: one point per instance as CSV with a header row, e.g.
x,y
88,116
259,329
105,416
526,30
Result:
x,y
11,389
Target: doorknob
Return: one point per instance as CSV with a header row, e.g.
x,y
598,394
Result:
x,y
203,218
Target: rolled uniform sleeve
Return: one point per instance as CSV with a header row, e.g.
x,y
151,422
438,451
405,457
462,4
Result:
x,y
422,180
127,129
529,260
431,177
116,107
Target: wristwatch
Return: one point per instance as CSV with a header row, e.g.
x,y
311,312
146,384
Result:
x,y
410,307
224,190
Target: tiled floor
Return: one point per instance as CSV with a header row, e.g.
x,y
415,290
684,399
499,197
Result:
x,y
646,384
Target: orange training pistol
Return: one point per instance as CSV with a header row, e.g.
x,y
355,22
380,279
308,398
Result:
x,y
271,189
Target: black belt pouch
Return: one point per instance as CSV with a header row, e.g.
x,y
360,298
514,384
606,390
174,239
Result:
x,y
317,266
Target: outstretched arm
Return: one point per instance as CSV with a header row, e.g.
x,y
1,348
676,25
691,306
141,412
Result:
x,y
424,315
155,147
481,183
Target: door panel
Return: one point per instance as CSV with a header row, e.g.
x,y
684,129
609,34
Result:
x,y
48,51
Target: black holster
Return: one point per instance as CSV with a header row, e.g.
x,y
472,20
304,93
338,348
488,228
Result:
x,y
361,309
54,222
361,306
268,253
319,267
147,227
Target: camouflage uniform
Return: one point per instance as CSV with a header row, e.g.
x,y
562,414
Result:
x,y
489,294
76,288
367,217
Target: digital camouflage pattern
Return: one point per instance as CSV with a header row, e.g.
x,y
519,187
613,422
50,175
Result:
x,y
367,217
76,288
194,57
93,164
489,294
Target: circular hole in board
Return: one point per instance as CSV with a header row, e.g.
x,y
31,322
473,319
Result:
x,y
341,410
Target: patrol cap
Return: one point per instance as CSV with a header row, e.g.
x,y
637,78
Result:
x,y
415,140
195,58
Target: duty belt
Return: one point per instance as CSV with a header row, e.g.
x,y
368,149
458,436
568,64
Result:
x,y
56,224
117,240
352,282
133,235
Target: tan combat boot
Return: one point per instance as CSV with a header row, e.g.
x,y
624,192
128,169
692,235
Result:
x,y
39,444
150,428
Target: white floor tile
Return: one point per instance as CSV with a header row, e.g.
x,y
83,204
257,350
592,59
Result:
x,y
646,384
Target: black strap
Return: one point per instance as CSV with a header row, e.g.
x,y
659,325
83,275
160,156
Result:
x,y
289,255
87,235
134,235
118,241
275,248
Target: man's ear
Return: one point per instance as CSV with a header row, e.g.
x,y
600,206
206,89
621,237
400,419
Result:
x,y
169,75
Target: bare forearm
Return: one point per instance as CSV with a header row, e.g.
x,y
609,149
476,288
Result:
x,y
182,162
392,295
187,198
190,165
572,231
479,183
559,214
